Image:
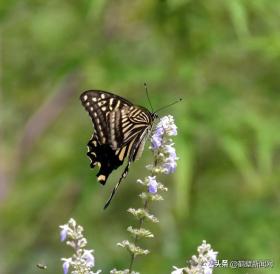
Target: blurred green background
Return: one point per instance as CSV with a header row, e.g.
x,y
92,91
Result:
x,y
222,57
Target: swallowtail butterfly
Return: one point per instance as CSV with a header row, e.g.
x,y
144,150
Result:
x,y
120,130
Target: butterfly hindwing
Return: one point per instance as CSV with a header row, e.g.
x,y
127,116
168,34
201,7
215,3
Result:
x,y
134,152
99,155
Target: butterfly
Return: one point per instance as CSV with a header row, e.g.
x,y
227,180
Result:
x,y
120,130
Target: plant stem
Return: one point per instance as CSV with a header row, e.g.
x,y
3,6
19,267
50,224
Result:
x,y
141,221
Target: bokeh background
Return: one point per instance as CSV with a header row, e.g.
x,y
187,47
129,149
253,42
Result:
x,y
222,57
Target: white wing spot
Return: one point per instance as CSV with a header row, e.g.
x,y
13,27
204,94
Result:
x,y
100,128
85,97
95,114
87,103
111,104
101,103
103,108
101,178
93,99
118,104
91,108
103,96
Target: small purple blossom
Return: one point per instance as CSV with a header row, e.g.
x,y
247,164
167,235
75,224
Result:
x,y
172,130
64,232
170,150
167,123
152,184
66,265
89,258
212,256
156,139
169,166
167,127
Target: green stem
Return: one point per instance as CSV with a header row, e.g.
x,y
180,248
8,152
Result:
x,y
141,221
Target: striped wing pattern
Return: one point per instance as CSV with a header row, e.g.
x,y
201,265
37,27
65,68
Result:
x,y
120,131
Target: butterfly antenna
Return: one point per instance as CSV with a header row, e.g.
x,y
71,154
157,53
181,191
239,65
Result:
x,y
147,94
177,101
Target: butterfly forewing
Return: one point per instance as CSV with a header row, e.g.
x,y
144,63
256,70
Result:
x,y
120,128
99,105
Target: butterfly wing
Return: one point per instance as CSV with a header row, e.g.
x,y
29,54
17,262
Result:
x,y
127,123
120,130
99,105
135,149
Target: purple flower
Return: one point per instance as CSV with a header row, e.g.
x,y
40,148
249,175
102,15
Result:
x,y
166,127
88,257
167,122
63,232
171,151
156,141
157,137
164,147
169,166
169,163
172,130
212,256
152,184
66,265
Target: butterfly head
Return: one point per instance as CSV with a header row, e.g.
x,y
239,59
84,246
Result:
x,y
154,116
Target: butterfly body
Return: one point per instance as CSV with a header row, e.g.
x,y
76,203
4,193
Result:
x,y
120,131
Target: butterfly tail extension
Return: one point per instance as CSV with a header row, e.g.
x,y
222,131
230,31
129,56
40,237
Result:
x,y
133,151
117,186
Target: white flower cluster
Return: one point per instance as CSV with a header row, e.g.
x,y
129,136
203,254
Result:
x,y
201,264
82,261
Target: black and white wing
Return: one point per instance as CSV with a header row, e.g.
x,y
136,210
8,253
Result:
x,y
120,128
